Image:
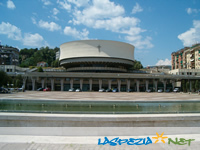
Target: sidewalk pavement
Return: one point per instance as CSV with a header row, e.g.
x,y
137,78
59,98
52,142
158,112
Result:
x,y
24,142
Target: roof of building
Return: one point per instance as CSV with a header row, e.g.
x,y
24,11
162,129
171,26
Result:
x,y
96,48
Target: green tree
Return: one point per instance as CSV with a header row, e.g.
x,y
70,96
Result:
x,y
30,57
188,86
55,63
197,85
193,86
56,49
40,69
18,81
137,65
183,85
4,79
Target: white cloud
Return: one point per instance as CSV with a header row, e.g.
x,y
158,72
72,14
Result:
x,y
33,20
139,42
55,17
55,11
11,31
79,3
10,4
64,4
133,31
134,37
116,24
46,2
101,9
192,35
163,62
14,33
190,10
137,8
75,33
52,26
104,14
34,40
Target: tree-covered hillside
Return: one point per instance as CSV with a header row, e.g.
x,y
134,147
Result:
x,y
30,57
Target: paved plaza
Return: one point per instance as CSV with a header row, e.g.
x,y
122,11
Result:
x,y
38,142
38,146
133,96
67,143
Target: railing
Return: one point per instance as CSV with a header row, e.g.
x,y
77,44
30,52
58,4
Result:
x,y
96,68
31,70
54,70
108,75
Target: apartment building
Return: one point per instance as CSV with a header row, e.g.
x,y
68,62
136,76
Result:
x,y
186,58
9,56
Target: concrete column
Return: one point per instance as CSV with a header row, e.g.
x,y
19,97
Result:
x,y
100,84
164,83
61,83
52,84
81,84
119,84
138,85
109,83
147,85
71,83
33,84
156,85
128,83
42,83
24,83
135,85
173,85
90,82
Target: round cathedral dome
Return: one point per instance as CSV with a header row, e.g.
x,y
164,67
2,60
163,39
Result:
x,y
96,56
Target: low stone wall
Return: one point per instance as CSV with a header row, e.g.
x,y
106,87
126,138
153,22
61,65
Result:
x,y
98,120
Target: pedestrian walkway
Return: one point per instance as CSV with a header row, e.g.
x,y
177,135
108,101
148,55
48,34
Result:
x,y
17,142
132,96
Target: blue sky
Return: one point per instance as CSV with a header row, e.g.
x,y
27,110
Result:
x,y
155,27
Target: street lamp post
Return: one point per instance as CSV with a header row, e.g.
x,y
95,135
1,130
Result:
x,y
188,63
15,61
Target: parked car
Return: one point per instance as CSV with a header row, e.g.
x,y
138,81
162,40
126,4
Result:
x,y
72,90
11,89
47,89
108,90
149,90
198,91
115,90
20,89
78,90
167,90
40,89
160,91
176,90
130,90
3,90
102,90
